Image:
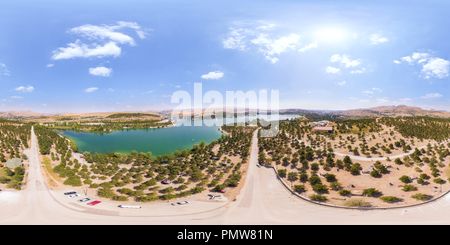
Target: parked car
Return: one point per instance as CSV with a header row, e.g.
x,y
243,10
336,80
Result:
x,y
85,199
180,203
94,203
76,195
258,165
70,193
125,206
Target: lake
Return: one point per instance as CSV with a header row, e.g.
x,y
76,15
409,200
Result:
x,y
159,141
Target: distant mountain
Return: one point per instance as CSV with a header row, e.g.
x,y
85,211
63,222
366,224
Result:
x,y
27,114
400,110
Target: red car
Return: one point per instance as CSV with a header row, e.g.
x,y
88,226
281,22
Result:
x,y
94,203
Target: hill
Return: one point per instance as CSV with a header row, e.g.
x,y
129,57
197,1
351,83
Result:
x,y
391,111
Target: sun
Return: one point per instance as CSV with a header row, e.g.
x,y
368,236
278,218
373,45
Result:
x,y
331,35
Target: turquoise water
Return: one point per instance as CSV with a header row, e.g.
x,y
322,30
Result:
x,y
159,141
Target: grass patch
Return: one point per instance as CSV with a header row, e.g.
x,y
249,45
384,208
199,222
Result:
x,y
48,166
356,203
2,172
447,171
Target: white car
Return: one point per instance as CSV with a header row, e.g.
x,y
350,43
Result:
x,y
85,199
180,203
76,195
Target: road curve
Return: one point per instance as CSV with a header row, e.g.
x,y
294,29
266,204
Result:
x,y
263,200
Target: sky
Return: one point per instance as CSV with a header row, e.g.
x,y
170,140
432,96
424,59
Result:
x,y
101,56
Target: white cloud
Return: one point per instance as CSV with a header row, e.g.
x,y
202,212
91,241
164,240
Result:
x,y
235,39
80,50
309,46
376,39
108,34
23,89
148,92
431,66
267,27
16,97
50,65
213,75
333,70
344,59
342,83
272,59
364,101
359,71
270,47
405,99
432,95
367,92
100,71
396,62
436,67
244,38
105,32
90,90
382,100
377,89
110,90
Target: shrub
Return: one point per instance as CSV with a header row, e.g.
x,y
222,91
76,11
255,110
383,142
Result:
x,y
389,199
344,192
330,177
167,196
197,189
374,173
303,177
120,198
335,185
320,188
95,185
314,180
73,181
355,169
420,181
355,203
405,179
438,181
314,166
299,188
408,188
424,176
318,197
282,172
14,185
371,192
106,192
421,197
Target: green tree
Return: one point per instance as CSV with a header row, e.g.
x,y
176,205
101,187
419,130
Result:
x,y
371,192
405,179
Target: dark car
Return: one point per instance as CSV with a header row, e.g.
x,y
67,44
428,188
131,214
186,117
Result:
x,y
70,193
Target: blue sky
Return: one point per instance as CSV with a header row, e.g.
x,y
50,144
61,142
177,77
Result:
x,y
92,56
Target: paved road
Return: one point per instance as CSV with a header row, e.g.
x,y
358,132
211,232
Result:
x,y
263,200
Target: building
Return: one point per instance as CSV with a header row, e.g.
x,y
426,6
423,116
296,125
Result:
x,y
323,129
13,163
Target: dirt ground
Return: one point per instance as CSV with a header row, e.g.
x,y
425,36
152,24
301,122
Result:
x,y
381,183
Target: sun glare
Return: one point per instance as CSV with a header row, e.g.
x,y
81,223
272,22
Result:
x,y
331,35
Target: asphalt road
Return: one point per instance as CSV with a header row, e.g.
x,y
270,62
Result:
x,y
263,200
